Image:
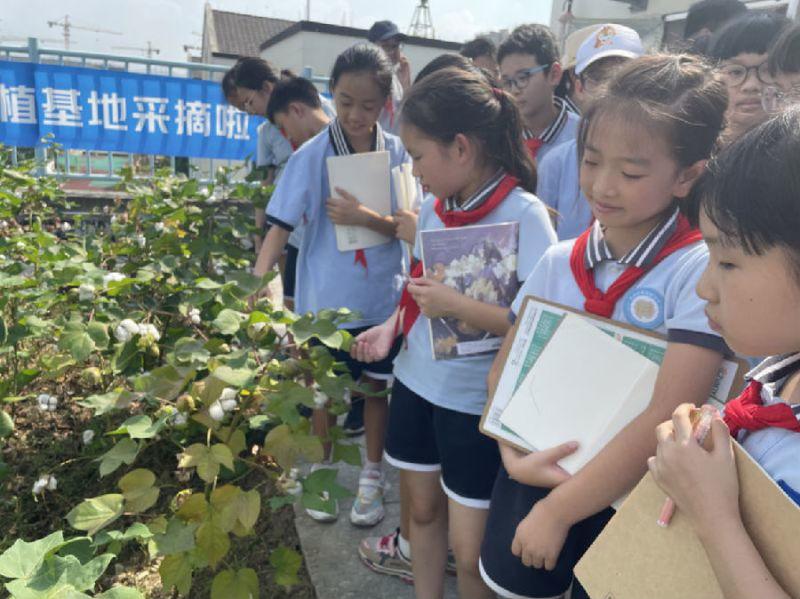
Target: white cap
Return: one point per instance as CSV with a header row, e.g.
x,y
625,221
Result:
x,y
609,40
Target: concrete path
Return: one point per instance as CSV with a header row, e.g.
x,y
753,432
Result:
x,y
331,554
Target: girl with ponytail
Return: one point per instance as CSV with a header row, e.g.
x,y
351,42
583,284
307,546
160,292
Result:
x,y
465,140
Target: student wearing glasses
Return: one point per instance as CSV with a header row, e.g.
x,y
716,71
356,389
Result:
x,y
530,71
740,50
600,55
784,71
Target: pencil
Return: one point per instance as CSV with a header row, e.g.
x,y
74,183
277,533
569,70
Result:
x,y
701,429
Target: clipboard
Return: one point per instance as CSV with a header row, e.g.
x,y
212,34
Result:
x,y
634,557
536,324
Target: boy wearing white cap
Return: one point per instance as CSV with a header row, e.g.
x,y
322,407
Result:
x,y
597,58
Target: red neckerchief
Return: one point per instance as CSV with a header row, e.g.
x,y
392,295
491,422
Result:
x,y
748,412
602,304
533,144
409,309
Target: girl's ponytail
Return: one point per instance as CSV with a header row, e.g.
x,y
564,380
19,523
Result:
x,y
509,148
452,101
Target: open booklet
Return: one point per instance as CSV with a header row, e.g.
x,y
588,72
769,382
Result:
x,y
365,176
479,261
576,396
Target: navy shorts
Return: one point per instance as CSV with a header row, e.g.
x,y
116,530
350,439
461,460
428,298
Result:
x,y
505,573
290,271
381,370
423,437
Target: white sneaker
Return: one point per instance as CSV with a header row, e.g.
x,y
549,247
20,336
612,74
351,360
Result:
x,y
368,506
320,515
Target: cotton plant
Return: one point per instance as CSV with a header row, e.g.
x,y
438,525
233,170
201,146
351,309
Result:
x,y
47,402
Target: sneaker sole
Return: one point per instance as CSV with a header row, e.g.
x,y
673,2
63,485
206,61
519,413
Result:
x,y
405,576
363,522
354,432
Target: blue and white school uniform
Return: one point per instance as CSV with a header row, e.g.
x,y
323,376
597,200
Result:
x,y
558,186
273,148
436,404
389,117
777,450
664,300
563,129
326,277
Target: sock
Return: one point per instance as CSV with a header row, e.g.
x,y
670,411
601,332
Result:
x,y
375,466
404,547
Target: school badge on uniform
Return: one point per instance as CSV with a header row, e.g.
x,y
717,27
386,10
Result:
x,y
645,308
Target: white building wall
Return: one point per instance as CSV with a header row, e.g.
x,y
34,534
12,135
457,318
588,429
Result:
x,y
319,51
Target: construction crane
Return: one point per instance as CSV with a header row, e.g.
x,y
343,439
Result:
x,y
421,22
67,26
149,50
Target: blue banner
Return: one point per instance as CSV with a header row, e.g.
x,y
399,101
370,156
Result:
x,y
97,109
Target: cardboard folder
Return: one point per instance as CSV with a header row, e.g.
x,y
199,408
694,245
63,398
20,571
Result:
x,y
634,558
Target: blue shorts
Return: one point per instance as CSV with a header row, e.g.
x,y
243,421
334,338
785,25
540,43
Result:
x,y
423,437
381,370
290,271
505,573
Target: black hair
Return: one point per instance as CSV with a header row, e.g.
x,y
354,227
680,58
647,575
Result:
x,y
750,189
285,92
710,14
784,56
536,40
443,61
367,58
252,73
676,94
751,33
480,46
288,74
452,101
228,83
565,86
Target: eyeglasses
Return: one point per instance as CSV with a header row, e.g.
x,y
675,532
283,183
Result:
x,y
774,99
521,80
736,74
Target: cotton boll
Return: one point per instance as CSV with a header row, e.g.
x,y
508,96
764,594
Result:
x,y
112,277
229,405
126,330
227,394
216,411
86,292
149,330
194,316
88,436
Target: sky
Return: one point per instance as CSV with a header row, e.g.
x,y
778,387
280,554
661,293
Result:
x,y
170,24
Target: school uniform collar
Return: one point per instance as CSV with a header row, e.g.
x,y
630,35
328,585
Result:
x,y
571,106
646,250
477,199
775,368
552,131
341,145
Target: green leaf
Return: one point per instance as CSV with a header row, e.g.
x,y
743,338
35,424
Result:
x,y
78,343
178,537
120,592
191,351
205,283
287,564
99,334
213,542
238,377
138,490
123,452
106,402
3,331
286,447
140,427
235,584
207,460
228,321
134,531
176,571
6,424
321,491
60,577
165,382
98,512
348,453
22,558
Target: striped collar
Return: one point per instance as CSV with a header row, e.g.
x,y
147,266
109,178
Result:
x,y
597,249
552,131
775,368
341,145
477,199
571,106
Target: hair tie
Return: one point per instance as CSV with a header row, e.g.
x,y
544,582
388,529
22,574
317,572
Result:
x,y
498,93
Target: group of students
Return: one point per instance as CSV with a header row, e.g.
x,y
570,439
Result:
x,y
608,203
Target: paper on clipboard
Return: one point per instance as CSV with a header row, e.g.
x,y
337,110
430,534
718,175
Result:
x,y
557,403
536,324
365,176
405,187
